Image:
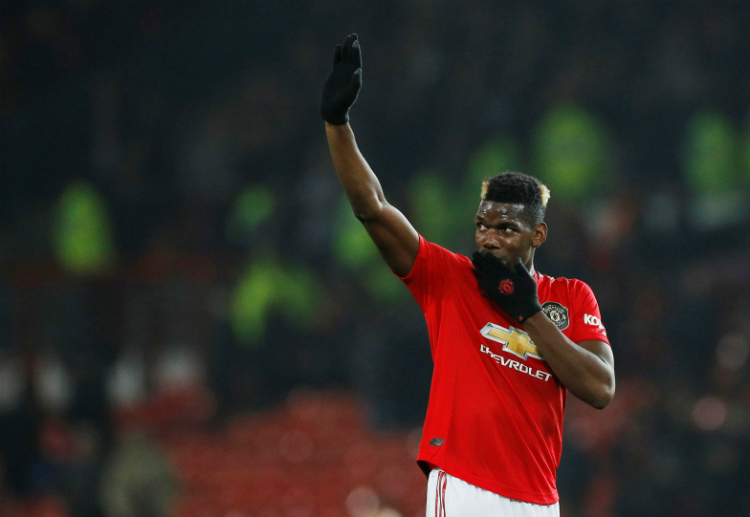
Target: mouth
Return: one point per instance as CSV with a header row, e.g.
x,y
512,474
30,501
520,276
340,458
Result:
x,y
498,254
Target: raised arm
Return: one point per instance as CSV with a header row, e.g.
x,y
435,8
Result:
x,y
391,232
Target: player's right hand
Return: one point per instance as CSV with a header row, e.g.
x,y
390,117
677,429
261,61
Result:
x,y
510,286
342,86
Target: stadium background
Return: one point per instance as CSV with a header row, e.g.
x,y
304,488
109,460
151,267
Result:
x,y
192,324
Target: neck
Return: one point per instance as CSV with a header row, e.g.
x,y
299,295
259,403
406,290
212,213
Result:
x,y
530,267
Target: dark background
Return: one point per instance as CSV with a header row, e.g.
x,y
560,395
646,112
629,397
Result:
x,y
172,232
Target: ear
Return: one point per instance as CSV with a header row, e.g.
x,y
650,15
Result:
x,y
539,235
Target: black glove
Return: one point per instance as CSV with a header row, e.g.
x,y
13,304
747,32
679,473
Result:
x,y
342,86
511,287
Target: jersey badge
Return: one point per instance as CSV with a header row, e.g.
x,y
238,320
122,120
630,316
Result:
x,y
557,314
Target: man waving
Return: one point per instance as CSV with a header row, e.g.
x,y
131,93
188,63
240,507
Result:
x,y
507,342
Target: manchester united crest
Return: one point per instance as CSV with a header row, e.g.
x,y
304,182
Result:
x,y
557,314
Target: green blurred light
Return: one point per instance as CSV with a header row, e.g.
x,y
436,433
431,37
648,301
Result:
x,y
497,155
352,245
354,249
253,297
433,207
298,295
710,160
83,242
571,152
292,292
383,285
253,207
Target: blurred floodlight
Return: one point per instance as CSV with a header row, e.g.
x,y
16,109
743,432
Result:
x,y
363,502
732,351
709,413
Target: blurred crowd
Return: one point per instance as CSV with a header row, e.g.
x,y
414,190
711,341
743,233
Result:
x,y
170,219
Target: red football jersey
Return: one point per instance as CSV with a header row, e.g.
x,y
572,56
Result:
x,y
496,409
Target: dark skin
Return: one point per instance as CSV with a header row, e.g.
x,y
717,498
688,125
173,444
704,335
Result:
x,y
586,368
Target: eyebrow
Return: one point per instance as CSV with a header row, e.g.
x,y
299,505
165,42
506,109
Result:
x,y
514,223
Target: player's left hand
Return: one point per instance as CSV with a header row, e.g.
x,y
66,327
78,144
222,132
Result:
x,y
511,287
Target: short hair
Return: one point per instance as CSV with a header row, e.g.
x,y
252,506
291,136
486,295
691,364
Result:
x,y
518,187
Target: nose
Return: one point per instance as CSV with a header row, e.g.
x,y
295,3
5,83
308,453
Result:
x,y
489,240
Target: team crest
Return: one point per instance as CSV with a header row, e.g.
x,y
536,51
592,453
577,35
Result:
x,y
557,314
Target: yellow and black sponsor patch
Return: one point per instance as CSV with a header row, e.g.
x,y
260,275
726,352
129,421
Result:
x,y
514,340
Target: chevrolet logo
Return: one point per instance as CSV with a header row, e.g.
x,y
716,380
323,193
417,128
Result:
x,y
515,341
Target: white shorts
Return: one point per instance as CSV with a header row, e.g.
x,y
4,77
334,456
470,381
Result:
x,y
448,496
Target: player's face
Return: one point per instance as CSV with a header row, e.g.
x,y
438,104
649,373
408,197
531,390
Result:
x,y
503,231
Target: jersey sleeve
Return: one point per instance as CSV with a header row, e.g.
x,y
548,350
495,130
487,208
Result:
x,y
427,279
586,321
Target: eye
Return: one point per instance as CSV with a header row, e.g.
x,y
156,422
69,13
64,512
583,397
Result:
x,y
481,226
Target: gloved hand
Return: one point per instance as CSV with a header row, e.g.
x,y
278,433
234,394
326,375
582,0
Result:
x,y
511,287
342,86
